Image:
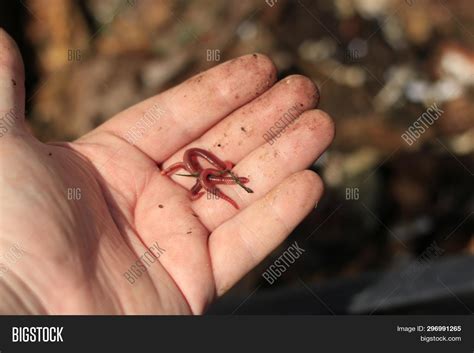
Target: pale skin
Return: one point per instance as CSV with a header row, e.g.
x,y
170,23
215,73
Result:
x,y
75,251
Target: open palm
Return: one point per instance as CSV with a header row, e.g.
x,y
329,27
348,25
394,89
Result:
x,y
85,213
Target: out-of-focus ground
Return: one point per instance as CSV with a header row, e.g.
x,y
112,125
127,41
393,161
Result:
x,y
379,64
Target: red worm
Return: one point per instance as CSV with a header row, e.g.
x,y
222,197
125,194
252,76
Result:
x,y
207,178
210,186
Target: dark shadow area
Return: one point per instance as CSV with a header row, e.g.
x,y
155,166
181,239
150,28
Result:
x,y
445,287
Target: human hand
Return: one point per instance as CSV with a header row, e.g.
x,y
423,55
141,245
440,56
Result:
x,y
76,248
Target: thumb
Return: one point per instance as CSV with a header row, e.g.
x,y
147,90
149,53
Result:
x,y
12,87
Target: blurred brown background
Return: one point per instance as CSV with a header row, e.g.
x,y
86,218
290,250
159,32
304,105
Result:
x,y
379,64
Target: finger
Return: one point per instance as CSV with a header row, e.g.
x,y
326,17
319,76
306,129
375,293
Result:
x,y
248,127
161,125
242,242
296,149
12,88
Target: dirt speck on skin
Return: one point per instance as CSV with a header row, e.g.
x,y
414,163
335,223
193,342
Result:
x,y
50,154
195,215
160,206
219,145
243,129
196,79
189,232
316,98
14,82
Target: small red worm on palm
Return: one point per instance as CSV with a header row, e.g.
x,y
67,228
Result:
x,y
207,178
